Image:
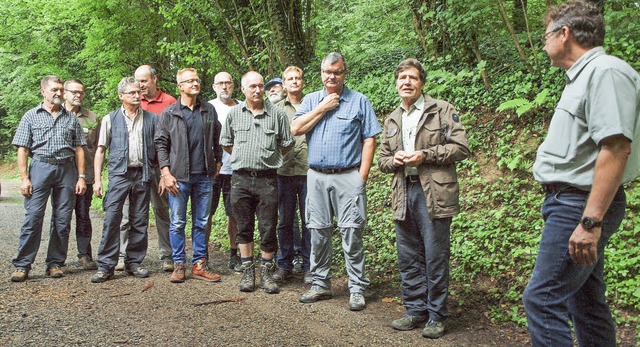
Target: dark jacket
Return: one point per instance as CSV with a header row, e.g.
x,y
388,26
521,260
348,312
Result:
x,y
443,140
118,159
172,143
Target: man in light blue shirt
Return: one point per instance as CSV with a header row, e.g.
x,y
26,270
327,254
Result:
x,y
341,127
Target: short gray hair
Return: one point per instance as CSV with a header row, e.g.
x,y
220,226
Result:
x,y
127,81
584,20
333,58
48,79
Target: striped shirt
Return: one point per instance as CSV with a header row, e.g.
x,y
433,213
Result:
x,y
47,136
256,140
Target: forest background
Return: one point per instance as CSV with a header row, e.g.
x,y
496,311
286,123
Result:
x,y
484,56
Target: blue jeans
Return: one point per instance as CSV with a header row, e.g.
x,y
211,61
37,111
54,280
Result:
x,y
292,192
559,289
199,189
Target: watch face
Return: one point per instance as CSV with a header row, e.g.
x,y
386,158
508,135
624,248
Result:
x,y
588,223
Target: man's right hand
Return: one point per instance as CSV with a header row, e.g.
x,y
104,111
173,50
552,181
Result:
x,y
329,102
97,189
170,183
26,189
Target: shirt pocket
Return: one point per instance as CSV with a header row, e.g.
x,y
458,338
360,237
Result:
x,y
270,139
242,133
41,130
348,122
561,137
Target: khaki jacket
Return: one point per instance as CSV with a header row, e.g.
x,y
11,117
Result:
x,y
443,140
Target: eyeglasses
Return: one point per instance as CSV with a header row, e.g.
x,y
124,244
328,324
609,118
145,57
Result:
x,y
546,35
133,92
333,72
75,92
224,83
191,81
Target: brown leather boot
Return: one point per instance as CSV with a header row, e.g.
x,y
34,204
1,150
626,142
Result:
x,y
178,273
201,271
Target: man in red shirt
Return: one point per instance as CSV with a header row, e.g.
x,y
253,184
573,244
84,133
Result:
x,y
153,99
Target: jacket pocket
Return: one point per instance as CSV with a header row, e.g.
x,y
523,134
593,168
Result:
x,y
446,188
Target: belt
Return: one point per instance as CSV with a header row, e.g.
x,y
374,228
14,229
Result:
x,y
413,178
257,173
335,170
554,187
53,160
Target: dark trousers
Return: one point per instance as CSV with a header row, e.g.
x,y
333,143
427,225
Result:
x,y
83,223
120,187
292,192
57,180
423,257
255,197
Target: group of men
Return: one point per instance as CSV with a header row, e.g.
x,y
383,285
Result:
x,y
313,153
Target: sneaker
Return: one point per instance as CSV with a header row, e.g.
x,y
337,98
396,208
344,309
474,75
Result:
x,y
308,277
87,263
282,275
20,275
234,261
200,271
433,329
238,268
178,273
101,276
120,265
138,272
167,265
54,271
356,302
297,265
267,280
316,293
408,322
248,281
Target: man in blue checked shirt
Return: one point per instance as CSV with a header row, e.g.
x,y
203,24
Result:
x,y
53,138
341,127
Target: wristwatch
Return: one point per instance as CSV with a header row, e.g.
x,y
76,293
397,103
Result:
x,y
83,176
589,223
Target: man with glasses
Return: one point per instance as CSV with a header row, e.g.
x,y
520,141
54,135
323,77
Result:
x,y
592,148
256,134
53,139
74,97
341,127
189,156
128,134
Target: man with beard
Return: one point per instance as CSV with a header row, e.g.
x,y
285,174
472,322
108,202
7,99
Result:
x,y
275,91
53,138
74,97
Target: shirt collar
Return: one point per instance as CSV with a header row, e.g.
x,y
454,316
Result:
x,y
159,97
344,96
418,105
577,67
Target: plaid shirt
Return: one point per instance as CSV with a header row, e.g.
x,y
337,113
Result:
x,y
49,137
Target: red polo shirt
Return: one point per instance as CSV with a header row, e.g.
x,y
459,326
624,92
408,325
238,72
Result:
x,y
157,104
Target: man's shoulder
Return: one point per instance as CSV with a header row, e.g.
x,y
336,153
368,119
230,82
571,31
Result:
x,y
165,97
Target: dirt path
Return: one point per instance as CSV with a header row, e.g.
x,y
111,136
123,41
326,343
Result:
x,y
72,311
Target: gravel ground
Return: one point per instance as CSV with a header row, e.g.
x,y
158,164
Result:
x,y
127,311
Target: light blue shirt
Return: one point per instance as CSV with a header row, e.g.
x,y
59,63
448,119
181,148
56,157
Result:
x,y
335,142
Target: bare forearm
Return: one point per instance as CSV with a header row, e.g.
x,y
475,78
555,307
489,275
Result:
x,y
23,159
368,148
97,164
80,160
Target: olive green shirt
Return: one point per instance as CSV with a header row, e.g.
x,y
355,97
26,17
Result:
x,y
294,163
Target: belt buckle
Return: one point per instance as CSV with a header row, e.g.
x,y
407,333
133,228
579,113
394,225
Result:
x,y
253,173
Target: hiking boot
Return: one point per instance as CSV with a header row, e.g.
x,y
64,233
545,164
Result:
x,y
20,275
433,329
316,293
120,265
282,275
138,272
356,302
238,268
267,281
178,273
308,277
235,262
297,265
200,271
54,271
87,263
101,276
167,265
248,281
408,322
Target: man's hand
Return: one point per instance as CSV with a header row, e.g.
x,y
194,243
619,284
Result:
x,y
26,189
97,189
170,183
81,186
161,186
398,158
583,245
329,102
414,159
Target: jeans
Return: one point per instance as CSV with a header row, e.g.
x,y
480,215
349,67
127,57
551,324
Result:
x,y
559,289
83,223
199,190
292,192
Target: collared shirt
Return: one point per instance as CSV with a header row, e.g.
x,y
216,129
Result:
x,y
256,140
410,120
223,111
49,136
91,129
134,127
601,99
295,163
336,140
195,138
157,104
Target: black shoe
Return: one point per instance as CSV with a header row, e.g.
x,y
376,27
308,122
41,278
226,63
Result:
x,y
101,276
235,262
282,275
266,279
297,265
248,281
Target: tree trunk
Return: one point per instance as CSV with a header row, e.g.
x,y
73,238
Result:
x,y
519,11
523,56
